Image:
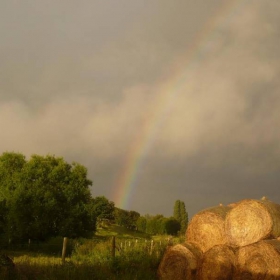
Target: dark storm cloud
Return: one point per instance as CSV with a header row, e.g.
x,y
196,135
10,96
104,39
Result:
x,y
223,129
79,79
90,48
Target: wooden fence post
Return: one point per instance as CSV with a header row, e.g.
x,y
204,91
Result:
x,y
65,240
113,251
152,246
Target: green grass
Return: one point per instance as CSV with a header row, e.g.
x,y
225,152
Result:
x,y
108,230
136,257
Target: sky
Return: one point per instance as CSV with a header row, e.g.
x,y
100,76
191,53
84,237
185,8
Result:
x,y
160,100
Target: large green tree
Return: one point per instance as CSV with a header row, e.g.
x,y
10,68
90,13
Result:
x,y
103,208
126,218
171,226
184,218
141,224
181,215
45,196
133,217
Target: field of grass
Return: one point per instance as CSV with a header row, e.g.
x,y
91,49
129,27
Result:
x,y
136,256
120,232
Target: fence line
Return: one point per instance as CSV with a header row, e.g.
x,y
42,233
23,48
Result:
x,y
149,246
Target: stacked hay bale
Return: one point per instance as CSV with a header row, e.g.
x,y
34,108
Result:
x,y
207,231
207,228
251,220
253,226
180,262
219,262
238,241
259,260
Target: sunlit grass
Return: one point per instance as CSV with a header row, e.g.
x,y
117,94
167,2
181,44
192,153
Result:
x,y
137,256
87,264
121,232
38,260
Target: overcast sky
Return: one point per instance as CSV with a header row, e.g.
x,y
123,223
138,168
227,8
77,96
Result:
x,y
195,82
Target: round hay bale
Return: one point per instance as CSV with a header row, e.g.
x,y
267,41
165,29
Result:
x,y
218,263
206,228
180,262
260,260
252,220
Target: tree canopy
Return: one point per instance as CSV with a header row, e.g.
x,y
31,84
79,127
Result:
x,y
158,224
44,196
126,218
181,215
103,208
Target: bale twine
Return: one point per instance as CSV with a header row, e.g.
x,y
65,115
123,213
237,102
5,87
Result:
x,y
218,263
180,262
260,260
206,228
252,220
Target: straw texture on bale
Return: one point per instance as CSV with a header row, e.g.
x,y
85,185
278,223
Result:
x,y
218,263
206,228
180,262
250,221
260,260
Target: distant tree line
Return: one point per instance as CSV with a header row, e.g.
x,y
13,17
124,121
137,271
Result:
x,y
158,224
45,197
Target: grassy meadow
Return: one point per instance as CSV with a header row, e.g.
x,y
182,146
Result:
x,y
136,256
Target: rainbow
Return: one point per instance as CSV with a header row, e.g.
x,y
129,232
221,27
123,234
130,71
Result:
x,y
127,180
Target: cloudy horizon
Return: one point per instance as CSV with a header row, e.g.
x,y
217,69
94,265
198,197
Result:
x,y
197,80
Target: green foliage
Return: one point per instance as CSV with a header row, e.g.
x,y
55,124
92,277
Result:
x,y
133,260
118,231
184,218
3,216
121,217
103,208
43,197
11,165
181,215
125,218
133,217
136,257
92,259
141,224
172,226
157,225
177,210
